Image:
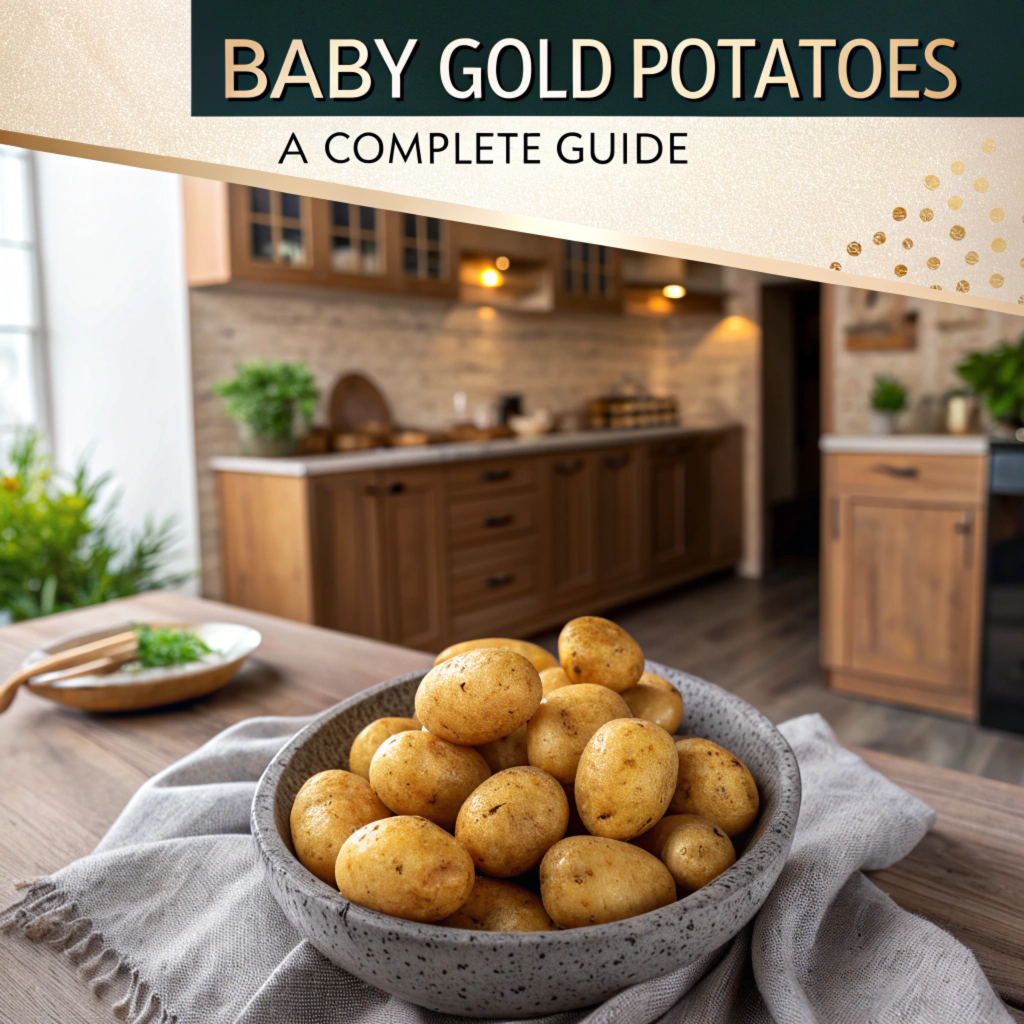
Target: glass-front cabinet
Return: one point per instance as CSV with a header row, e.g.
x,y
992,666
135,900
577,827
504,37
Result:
x,y
290,239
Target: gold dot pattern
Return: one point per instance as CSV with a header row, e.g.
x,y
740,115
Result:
x,y
1022,264
1020,300
957,232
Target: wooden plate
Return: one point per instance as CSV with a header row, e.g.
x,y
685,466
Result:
x,y
127,690
357,406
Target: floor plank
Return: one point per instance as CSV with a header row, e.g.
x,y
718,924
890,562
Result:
x,y
760,640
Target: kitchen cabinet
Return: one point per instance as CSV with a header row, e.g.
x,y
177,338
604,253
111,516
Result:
x,y
429,554
903,576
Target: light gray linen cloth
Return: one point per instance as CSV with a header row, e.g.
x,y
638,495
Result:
x,y
169,919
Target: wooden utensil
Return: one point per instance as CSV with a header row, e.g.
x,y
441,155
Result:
x,y
357,406
109,648
149,688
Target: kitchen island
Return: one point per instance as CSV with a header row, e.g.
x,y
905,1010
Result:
x,y
427,545
67,775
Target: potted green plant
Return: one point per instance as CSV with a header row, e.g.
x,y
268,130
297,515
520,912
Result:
x,y
997,377
264,399
888,399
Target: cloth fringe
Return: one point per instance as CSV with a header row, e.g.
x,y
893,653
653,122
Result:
x,y
46,914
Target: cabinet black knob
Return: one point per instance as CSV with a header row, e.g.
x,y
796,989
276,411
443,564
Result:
x,y
491,476
616,461
570,466
396,488
494,522
902,472
499,581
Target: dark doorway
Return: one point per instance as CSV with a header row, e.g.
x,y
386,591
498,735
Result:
x,y
791,420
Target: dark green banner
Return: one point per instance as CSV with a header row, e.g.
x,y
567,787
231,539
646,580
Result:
x,y
876,58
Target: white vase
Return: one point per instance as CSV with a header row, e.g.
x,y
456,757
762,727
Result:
x,y
883,422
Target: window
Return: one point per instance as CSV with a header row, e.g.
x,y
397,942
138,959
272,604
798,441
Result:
x,y
21,362
356,243
586,269
421,247
278,228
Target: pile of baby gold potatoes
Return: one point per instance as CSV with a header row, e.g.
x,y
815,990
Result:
x,y
514,762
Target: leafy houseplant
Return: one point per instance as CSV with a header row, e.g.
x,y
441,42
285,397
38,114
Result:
x,y
60,546
998,378
888,398
263,399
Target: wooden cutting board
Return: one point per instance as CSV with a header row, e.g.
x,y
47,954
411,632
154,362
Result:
x,y
357,406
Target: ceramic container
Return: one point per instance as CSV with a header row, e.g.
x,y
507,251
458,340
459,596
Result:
x,y
487,974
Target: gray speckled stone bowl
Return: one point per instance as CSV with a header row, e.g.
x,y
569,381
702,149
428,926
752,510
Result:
x,y
489,974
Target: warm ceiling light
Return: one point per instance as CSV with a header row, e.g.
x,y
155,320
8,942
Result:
x,y
673,291
490,278
501,263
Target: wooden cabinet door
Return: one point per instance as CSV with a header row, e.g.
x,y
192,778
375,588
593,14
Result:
x,y
570,534
347,566
680,506
413,543
621,516
911,572
725,481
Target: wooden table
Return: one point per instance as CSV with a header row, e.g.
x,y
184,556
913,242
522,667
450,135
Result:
x,y
67,775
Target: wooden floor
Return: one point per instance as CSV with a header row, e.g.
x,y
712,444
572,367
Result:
x,y
759,639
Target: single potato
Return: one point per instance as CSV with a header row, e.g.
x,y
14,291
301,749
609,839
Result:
x,y
406,867
564,723
508,752
626,778
328,808
365,745
693,849
537,656
479,696
594,650
715,785
552,679
587,880
420,773
495,906
654,704
650,679
511,820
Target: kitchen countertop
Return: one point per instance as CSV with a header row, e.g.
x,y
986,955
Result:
x,y
905,444
455,451
67,775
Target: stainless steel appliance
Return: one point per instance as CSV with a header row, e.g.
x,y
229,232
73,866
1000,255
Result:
x,y
1002,674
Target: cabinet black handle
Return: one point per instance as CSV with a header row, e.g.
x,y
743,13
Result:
x,y
570,466
616,461
669,449
493,522
396,488
492,476
499,581
903,472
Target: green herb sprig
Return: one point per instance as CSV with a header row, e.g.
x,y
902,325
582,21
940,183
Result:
x,y
159,648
